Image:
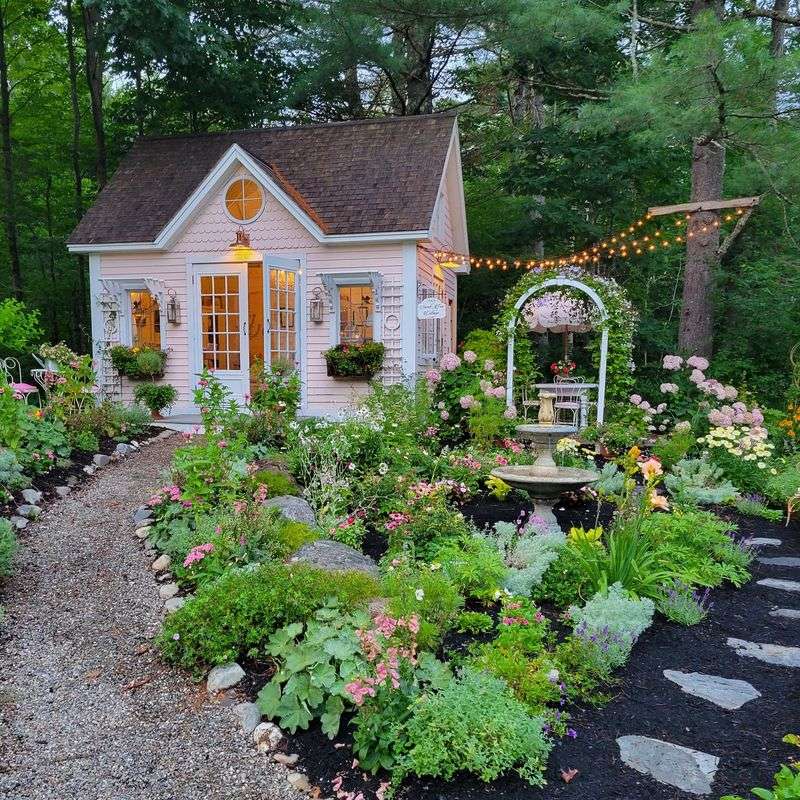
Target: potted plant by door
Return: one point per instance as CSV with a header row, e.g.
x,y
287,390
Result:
x,y
156,396
354,361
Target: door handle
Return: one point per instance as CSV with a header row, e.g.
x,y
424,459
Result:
x,y
244,329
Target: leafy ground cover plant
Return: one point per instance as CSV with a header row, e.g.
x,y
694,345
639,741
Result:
x,y
475,725
235,615
753,505
473,566
12,478
474,622
317,661
417,589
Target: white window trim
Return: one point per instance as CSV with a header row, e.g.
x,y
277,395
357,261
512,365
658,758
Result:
x,y
261,189
332,282
124,287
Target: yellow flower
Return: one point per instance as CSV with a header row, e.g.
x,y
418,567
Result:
x,y
634,452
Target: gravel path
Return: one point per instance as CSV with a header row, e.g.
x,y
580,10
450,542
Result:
x,y
87,711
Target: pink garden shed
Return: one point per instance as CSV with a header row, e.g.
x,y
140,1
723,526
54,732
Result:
x,y
231,249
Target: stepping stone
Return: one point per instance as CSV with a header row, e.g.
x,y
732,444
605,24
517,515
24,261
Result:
x,y
142,513
20,523
764,541
780,583
29,511
724,692
101,460
63,491
787,613
776,654
780,561
686,769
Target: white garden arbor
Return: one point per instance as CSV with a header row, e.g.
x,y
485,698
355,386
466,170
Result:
x,y
601,320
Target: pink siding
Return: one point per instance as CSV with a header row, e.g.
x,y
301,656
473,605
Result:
x,y
276,232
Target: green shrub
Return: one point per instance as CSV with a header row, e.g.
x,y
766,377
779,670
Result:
x,y
85,440
413,589
235,616
474,622
669,450
19,327
527,553
783,486
8,546
474,725
275,483
473,566
697,481
697,548
563,581
145,363
156,396
355,360
12,477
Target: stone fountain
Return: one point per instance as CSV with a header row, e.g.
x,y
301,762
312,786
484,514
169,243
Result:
x,y
544,480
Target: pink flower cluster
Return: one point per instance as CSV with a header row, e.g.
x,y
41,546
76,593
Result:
x,y
512,445
501,461
450,362
470,356
424,489
197,554
510,412
433,376
669,388
164,494
467,461
261,493
672,363
396,519
467,401
737,414
385,657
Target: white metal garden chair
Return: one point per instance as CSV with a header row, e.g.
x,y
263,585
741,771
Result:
x,y
528,401
567,404
12,372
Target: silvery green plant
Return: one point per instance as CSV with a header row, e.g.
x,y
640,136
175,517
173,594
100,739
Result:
x,y
698,482
527,552
611,622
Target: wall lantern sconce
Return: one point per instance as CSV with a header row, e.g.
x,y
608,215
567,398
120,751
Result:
x,y
173,308
242,238
315,307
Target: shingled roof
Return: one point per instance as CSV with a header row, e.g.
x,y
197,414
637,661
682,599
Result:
x,y
367,176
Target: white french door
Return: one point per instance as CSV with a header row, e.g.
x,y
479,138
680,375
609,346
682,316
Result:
x,y
222,337
282,329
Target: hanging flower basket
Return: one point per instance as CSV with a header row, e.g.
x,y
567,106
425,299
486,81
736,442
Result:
x,y
354,361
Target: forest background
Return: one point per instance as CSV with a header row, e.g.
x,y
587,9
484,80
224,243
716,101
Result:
x,y
575,116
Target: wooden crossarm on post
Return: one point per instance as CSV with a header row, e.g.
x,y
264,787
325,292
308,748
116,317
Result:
x,y
704,205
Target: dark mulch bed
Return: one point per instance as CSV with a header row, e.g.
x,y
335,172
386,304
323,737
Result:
x,y
59,476
747,741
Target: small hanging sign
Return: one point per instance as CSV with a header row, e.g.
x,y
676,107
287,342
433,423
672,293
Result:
x,y
431,308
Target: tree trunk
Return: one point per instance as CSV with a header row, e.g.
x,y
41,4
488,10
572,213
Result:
x,y
51,258
94,78
10,213
696,331
420,41
777,45
352,91
81,307
696,334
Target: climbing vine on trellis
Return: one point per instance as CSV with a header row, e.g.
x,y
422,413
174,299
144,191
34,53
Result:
x,y
621,318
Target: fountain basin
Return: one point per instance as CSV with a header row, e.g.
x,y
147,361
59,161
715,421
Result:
x,y
544,482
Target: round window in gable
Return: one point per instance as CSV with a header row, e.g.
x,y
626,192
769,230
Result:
x,y
244,199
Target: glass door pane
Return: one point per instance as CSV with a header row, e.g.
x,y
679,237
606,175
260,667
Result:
x,y
220,322
282,316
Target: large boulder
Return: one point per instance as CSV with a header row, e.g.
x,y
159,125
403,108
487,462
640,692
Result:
x,y
293,508
335,556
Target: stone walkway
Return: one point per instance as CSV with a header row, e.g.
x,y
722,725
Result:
x,y
690,770
87,711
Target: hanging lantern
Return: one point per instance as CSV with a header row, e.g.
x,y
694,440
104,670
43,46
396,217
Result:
x,y
242,238
315,308
173,308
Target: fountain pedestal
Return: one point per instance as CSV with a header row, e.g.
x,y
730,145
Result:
x,y
545,481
